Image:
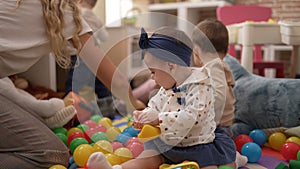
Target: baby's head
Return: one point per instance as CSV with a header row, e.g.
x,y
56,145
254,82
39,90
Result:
x,y
166,52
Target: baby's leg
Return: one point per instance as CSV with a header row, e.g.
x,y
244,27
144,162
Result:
x,y
148,159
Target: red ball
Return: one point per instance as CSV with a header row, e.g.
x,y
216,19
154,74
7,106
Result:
x,y
289,150
240,140
74,135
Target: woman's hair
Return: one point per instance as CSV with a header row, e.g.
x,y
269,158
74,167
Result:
x,y
53,11
211,36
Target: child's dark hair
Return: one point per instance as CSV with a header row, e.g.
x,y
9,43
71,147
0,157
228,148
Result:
x,y
214,31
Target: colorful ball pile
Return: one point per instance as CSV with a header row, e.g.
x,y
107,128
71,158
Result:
x,y
116,139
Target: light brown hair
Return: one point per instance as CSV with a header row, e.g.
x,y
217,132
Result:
x,y
214,31
54,20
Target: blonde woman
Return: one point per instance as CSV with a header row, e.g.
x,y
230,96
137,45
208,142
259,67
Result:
x,y
30,30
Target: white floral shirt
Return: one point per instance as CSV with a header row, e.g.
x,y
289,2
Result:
x,y
187,117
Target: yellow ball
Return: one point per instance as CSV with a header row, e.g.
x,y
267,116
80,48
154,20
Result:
x,y
113,159
82,154
294,139
124,153
112,133
74,129
58,167
106,122
276,140
103,146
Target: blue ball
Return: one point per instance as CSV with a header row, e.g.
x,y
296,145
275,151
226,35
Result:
x,y
258,136
123,137
252,151
130,130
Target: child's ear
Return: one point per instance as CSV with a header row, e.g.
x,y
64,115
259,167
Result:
x,y
171,66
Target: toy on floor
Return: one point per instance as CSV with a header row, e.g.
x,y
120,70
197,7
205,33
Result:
x,y
183,165
263,103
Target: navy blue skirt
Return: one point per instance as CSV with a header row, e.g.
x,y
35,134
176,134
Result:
x,y
219,152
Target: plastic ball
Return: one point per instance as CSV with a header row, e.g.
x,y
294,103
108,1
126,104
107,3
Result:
x,y
113,159
74,135
83,127
289,150
112,133
258,136
91,131
240,140
82,154
298,155
252,151
123,137
76,142
58,167
106,122
136,148
99,136
131,140
74,129
276,140
103,146
124,154
225,167
96,118
293,139
116,145
90,123
63,138
60,130
133,132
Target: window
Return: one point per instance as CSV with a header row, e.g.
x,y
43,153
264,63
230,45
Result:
x,y
115,10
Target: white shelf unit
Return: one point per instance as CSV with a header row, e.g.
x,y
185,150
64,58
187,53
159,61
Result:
x,y
187,11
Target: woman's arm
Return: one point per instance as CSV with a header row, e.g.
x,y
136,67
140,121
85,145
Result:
x,y
107,73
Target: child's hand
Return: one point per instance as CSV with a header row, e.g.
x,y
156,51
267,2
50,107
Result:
x,y
147,116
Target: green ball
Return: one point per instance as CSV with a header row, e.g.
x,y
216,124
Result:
x,y
76,142
99,136
96,118
225,167
63,138
83,127
298,155
60,130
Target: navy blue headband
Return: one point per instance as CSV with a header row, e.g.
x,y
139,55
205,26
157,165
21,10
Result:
x,y
165,48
